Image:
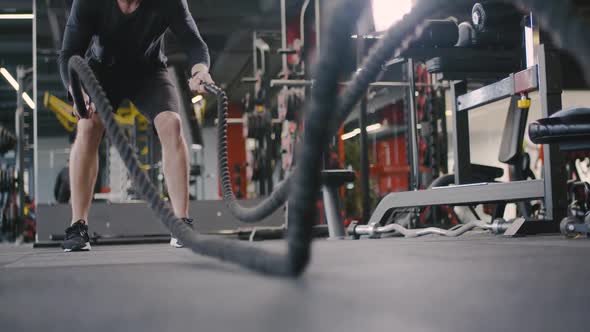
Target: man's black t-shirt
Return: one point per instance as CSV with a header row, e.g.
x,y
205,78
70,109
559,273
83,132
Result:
x,y
129,42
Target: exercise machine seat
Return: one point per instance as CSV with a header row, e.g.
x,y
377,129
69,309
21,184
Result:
x,y
337,177
570,128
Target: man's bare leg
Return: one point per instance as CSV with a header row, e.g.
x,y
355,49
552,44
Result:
x,y
84,166
175,160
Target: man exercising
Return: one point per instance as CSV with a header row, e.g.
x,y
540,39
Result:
x,y
125,53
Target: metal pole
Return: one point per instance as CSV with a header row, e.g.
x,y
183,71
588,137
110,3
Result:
x,y
413,154
302,22
364,160
318,27
332,209
364,153
284,36
461,149
550,90
20,137
35,193
254,54
384,84
202,163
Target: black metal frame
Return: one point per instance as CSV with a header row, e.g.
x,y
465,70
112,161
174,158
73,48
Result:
x,y
550,90
546,78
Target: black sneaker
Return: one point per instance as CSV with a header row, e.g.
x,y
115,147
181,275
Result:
x,y
77,238
174,241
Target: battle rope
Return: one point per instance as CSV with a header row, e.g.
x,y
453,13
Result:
x,y
568,29
302,192
232,251
246,214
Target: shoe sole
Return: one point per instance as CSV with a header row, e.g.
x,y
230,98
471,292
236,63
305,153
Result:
x,y
85,248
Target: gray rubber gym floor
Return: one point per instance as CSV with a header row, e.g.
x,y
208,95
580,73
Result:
x,y
476,283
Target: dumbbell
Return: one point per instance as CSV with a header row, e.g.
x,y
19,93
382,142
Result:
x,y
439,33
573,227
257,124
493,15
496,24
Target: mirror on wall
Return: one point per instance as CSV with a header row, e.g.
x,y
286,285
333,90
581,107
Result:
x,y
17,112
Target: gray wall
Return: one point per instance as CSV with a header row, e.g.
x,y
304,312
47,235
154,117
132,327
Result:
x,y
487,123
210,142
49,167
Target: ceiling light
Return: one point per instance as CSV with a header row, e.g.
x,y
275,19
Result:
x,y
374,127
350,134
28,100
16,16
387,12
357,131
9,78
15,85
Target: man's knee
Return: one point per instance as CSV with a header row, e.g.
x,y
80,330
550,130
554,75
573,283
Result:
x,y
169,126
89,130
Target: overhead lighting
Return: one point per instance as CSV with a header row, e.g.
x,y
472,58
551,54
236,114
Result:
x,y
351,134
16,16
9,78
357,131
28,100
15,85
197,99
374,127
387,12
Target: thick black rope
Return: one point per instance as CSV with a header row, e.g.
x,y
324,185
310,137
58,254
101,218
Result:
x,y
307,176
245,214
231,251
567,28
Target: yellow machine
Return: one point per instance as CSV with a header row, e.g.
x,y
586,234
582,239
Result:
x,y
126,117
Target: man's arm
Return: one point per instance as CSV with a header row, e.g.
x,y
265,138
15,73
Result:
x,y
77,35
184,27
